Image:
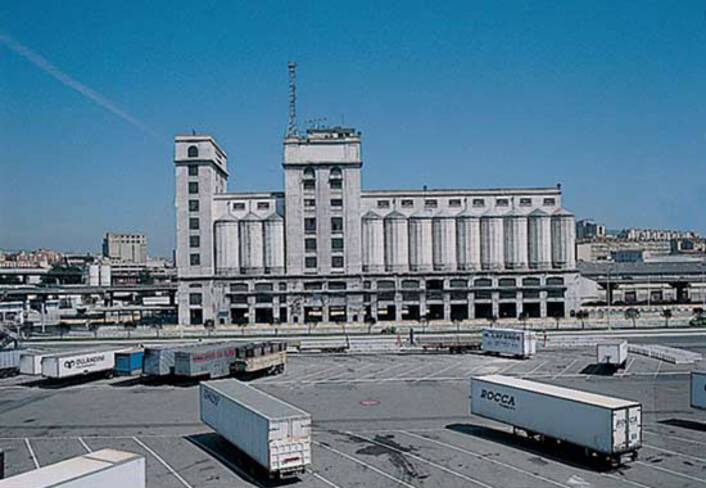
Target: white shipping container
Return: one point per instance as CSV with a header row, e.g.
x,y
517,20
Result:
x,y
698,389
613,353
78,363
107,468
275,434
602,424
31,362
520,343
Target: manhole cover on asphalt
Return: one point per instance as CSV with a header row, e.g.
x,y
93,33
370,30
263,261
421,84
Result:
x,y
369,403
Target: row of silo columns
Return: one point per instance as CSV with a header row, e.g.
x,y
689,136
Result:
x,y
250,245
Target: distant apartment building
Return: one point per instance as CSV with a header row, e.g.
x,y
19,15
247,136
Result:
x,y
655,235
589,229
607,249
128,248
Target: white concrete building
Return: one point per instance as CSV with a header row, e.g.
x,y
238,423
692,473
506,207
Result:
x,y
129,248
326,250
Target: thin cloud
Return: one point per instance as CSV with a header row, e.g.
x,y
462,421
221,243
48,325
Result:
x,y
41,63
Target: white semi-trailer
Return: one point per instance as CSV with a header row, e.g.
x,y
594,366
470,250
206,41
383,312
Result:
x,y
698,389
66,365
606,427
511,342
107,468
613,354
31,362
274,434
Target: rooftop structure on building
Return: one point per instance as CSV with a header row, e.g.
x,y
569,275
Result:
x,y
126,248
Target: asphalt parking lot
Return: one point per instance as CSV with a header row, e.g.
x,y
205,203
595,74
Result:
x,y
379,420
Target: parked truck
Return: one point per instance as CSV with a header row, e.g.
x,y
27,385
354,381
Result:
x,y
228,358
613,354
607,428
70,364
107,468
159,360
698,389
510,342
452,344
273,434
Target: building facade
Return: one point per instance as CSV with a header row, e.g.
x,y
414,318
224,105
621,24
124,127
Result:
x,y
129,248
324,250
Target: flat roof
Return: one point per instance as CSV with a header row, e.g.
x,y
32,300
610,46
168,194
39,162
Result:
x,y
263,403
557,391
71,469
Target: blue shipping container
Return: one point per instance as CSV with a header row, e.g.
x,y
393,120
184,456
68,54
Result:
x,y
128,363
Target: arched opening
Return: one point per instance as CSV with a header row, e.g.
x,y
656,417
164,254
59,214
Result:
x,y
193,152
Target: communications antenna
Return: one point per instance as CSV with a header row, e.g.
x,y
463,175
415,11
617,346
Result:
x,y
292,128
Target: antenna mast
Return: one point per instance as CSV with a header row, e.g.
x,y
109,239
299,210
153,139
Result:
x,y
292,128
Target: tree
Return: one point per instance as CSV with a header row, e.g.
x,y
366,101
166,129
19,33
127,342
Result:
x,y
667,314
632,314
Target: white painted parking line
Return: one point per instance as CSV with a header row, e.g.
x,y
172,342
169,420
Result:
x,y
484,458
674,453
163,462
85,446
565,369
424,460
624,372
536,368
384,371
672,472
438,372
659,366
31,453
322,479
625,480
670,437
406,374
364,464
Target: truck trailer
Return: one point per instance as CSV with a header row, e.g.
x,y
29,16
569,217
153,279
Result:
x,y
227,358
613,354
70,364
273,434
107,468
697,392
10,361
605,427
510,342
31,362
159,360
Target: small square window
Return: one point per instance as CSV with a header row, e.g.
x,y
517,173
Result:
x,y
337,244
193,205
336,224
195,259
502,202
336,184
194,223
478,202
310,244
239,206
193,187
548,202
383,203
195,299
309,184
525,202
430,204
310,262
407,203
193,170
194,241
336,202
310,225
455,202
336,261
309,203
263,205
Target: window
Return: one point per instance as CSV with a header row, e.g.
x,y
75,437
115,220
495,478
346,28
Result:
x,y
458,283
193,205
478,202
310,244
409,284
194,241
239,206
239,287
407,203
195,259
193,152
430,203
548,202
336,224
483,282
455,202
525,202
313,285
336,184
282,287
383,203
309,203
195,299
507,295
337,285
194,223
263,286
506,282
263,205
530,281
309,185
335,179
310,262
502,202
337,244
337,202
193,170
483,295
555,281
386,285
336,261
193,187
336,173
310,225
309,174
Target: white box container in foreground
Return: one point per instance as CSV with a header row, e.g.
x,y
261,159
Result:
x,y
273,433
614,353
107,468
514,342
605,425
698,389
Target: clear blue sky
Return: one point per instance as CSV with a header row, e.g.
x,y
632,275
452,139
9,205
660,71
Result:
x,y
605,97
